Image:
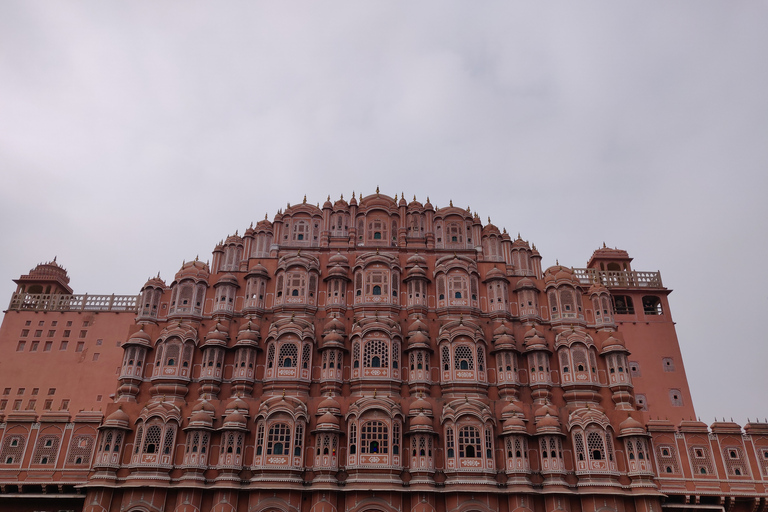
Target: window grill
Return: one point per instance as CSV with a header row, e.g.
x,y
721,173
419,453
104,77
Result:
x,y
469,442
374,437
279,439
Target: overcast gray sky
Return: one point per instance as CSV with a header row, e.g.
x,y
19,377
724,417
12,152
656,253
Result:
x,y
134,135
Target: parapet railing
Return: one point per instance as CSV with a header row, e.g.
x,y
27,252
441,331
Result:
x,y
60,302
619,278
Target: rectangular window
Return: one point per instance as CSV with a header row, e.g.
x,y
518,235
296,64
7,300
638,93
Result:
x,y
21,391
83,333
99,397
35,391
28,322
17,405
64,405
48,405
69,323
7,391
41,323
52,333
31,405
33,347
96,356
86,323
80,346
63,345
20,346
54,323
48,345
51,391
38,333
24,333
66,333
3,404
99,342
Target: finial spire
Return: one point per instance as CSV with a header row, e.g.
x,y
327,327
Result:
x,y
305,199
450,203
377,189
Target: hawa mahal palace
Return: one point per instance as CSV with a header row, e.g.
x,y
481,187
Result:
x,y
370,355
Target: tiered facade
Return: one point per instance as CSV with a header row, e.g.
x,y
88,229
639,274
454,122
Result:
x,y
372,355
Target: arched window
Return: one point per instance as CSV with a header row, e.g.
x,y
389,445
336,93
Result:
x,y
376,354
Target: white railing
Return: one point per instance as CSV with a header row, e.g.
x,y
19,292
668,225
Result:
x,y
619,278
61,302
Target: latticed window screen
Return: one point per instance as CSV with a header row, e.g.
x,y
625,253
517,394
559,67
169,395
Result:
x,y
46,448
278,439
151,439
396,438
395,355
596,446
376,282
305,355
735,464
480,359
566,299
578,441
356,354
137,440
13,448
469,442
579,359
81,448
288,355
271,355
701,461
446,358
449,442
374,437
564,362
457,287
666,457
376,354
592,362
298,440
172,354
352,438
488,444
193,443
170,434
463,358
260,439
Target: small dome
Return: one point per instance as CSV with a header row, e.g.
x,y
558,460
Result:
x,y
416,271
421,406
200,419
338,259
418,339
233,240
548,425
154,282
235,419
612,344
545,410
525,284
227,279
258,270
118,419
422,420
416,259
329,403
194,269
237,404
631,427
328,420
503,328
332,338
249,332
535,343
495,274
140,337
514,424
511,409
217,336
519,243
418,325
204,405
597,288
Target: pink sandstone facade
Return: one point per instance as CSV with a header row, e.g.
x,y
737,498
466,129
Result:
x,y
365,355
